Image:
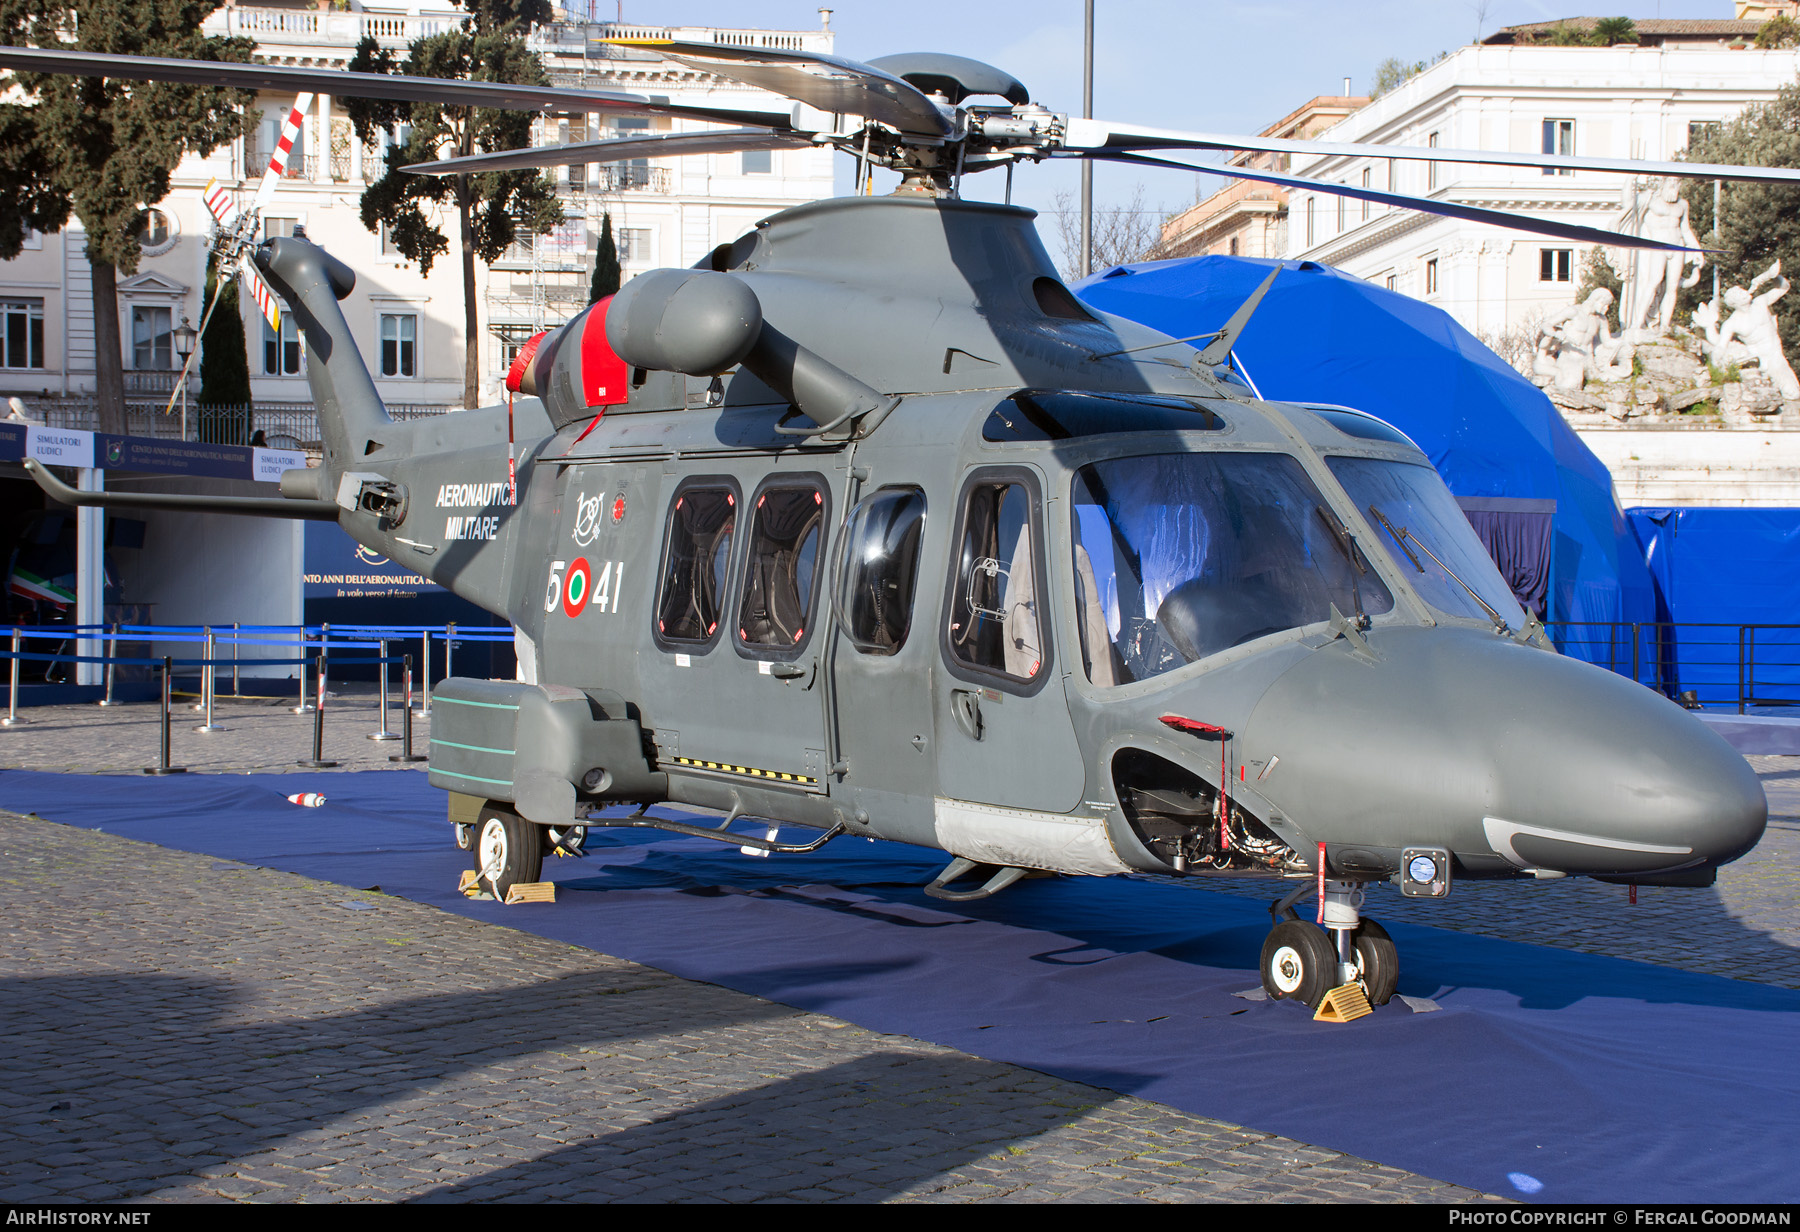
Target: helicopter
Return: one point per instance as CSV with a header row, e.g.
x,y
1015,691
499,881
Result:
x,y
867,525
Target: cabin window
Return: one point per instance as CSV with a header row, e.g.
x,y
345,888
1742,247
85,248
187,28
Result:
x,y
1181,556
781,569
881,570
995,622
696,564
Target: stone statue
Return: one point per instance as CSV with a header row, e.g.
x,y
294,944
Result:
x,y
1657,213
1749,335
1576,345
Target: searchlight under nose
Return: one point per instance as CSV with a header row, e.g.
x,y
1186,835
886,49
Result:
x,y
1512,757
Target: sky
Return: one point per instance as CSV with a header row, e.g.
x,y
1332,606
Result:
x,y
1218,65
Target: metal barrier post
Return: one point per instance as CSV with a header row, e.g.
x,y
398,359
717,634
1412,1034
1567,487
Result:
x,y
305,707
200,703
406,715
1740,669
449,647
1636,633
425,691
208,686
12,718
318,761
237,633
383,733
112,651
163,766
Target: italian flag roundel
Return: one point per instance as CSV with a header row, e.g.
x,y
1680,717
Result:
x,y
579,586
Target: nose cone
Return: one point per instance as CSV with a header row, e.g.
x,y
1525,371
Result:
x,y
1507,755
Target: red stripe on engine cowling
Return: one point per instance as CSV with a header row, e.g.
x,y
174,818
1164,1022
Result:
x,y
605,378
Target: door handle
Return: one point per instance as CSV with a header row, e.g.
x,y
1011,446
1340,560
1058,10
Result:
x,y
786,671
965,704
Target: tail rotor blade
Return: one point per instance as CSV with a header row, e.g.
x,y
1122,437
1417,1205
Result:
x,y
261,292
221,204
284,151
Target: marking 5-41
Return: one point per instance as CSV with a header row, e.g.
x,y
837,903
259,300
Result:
x,y
583,583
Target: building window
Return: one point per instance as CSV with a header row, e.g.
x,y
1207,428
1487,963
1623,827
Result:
x,y
281,351
634,244
1555,264
1234,245
23,333
1431,169
399,338
759,162
1559,138
152,346
154,232
279,228
1431,281
1366,176
268,137
575,130
387,245
1393,282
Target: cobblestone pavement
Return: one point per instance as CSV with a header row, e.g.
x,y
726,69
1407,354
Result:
x,y
247,1034
181,1028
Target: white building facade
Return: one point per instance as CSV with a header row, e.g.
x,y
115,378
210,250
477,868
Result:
x,y
1625,101
665,212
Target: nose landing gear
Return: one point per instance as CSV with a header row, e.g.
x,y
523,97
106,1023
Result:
x,y
1303,962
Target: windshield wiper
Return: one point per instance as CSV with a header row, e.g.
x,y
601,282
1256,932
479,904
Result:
x,y
1402,534
1340,535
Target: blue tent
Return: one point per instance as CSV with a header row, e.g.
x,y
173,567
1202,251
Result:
x,y
1322,335
1718,570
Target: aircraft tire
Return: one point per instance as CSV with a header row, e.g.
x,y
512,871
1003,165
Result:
x,y
1377,962
508,850
1298,963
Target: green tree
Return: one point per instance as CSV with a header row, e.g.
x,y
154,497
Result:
x,y
1609,31
1759,222
1393,72
607,274
101,149
1778,32
224,361
1597,273
490,209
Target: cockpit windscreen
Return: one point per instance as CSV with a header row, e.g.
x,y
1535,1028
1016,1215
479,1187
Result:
x,y
1404,500
1179,556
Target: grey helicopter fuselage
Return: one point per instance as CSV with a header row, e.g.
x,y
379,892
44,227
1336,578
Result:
x,y
1018,711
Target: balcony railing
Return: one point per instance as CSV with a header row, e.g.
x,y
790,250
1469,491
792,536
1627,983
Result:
x,y
333,29
625,177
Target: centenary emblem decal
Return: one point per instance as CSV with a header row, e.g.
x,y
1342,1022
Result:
x,y
579,586
587,517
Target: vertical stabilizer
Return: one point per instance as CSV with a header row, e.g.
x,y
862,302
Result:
x,y
350,411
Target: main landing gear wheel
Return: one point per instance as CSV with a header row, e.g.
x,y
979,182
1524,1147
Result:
x,y
1298,963
1377,962
508,850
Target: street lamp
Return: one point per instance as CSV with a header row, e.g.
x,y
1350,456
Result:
x,y
185,337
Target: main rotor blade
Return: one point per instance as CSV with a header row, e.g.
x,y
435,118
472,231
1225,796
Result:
x,y
671,145
284,150
842,87
1425,205
1101,135
399,86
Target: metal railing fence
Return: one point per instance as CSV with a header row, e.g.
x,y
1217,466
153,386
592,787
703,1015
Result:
x,y
1720,664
